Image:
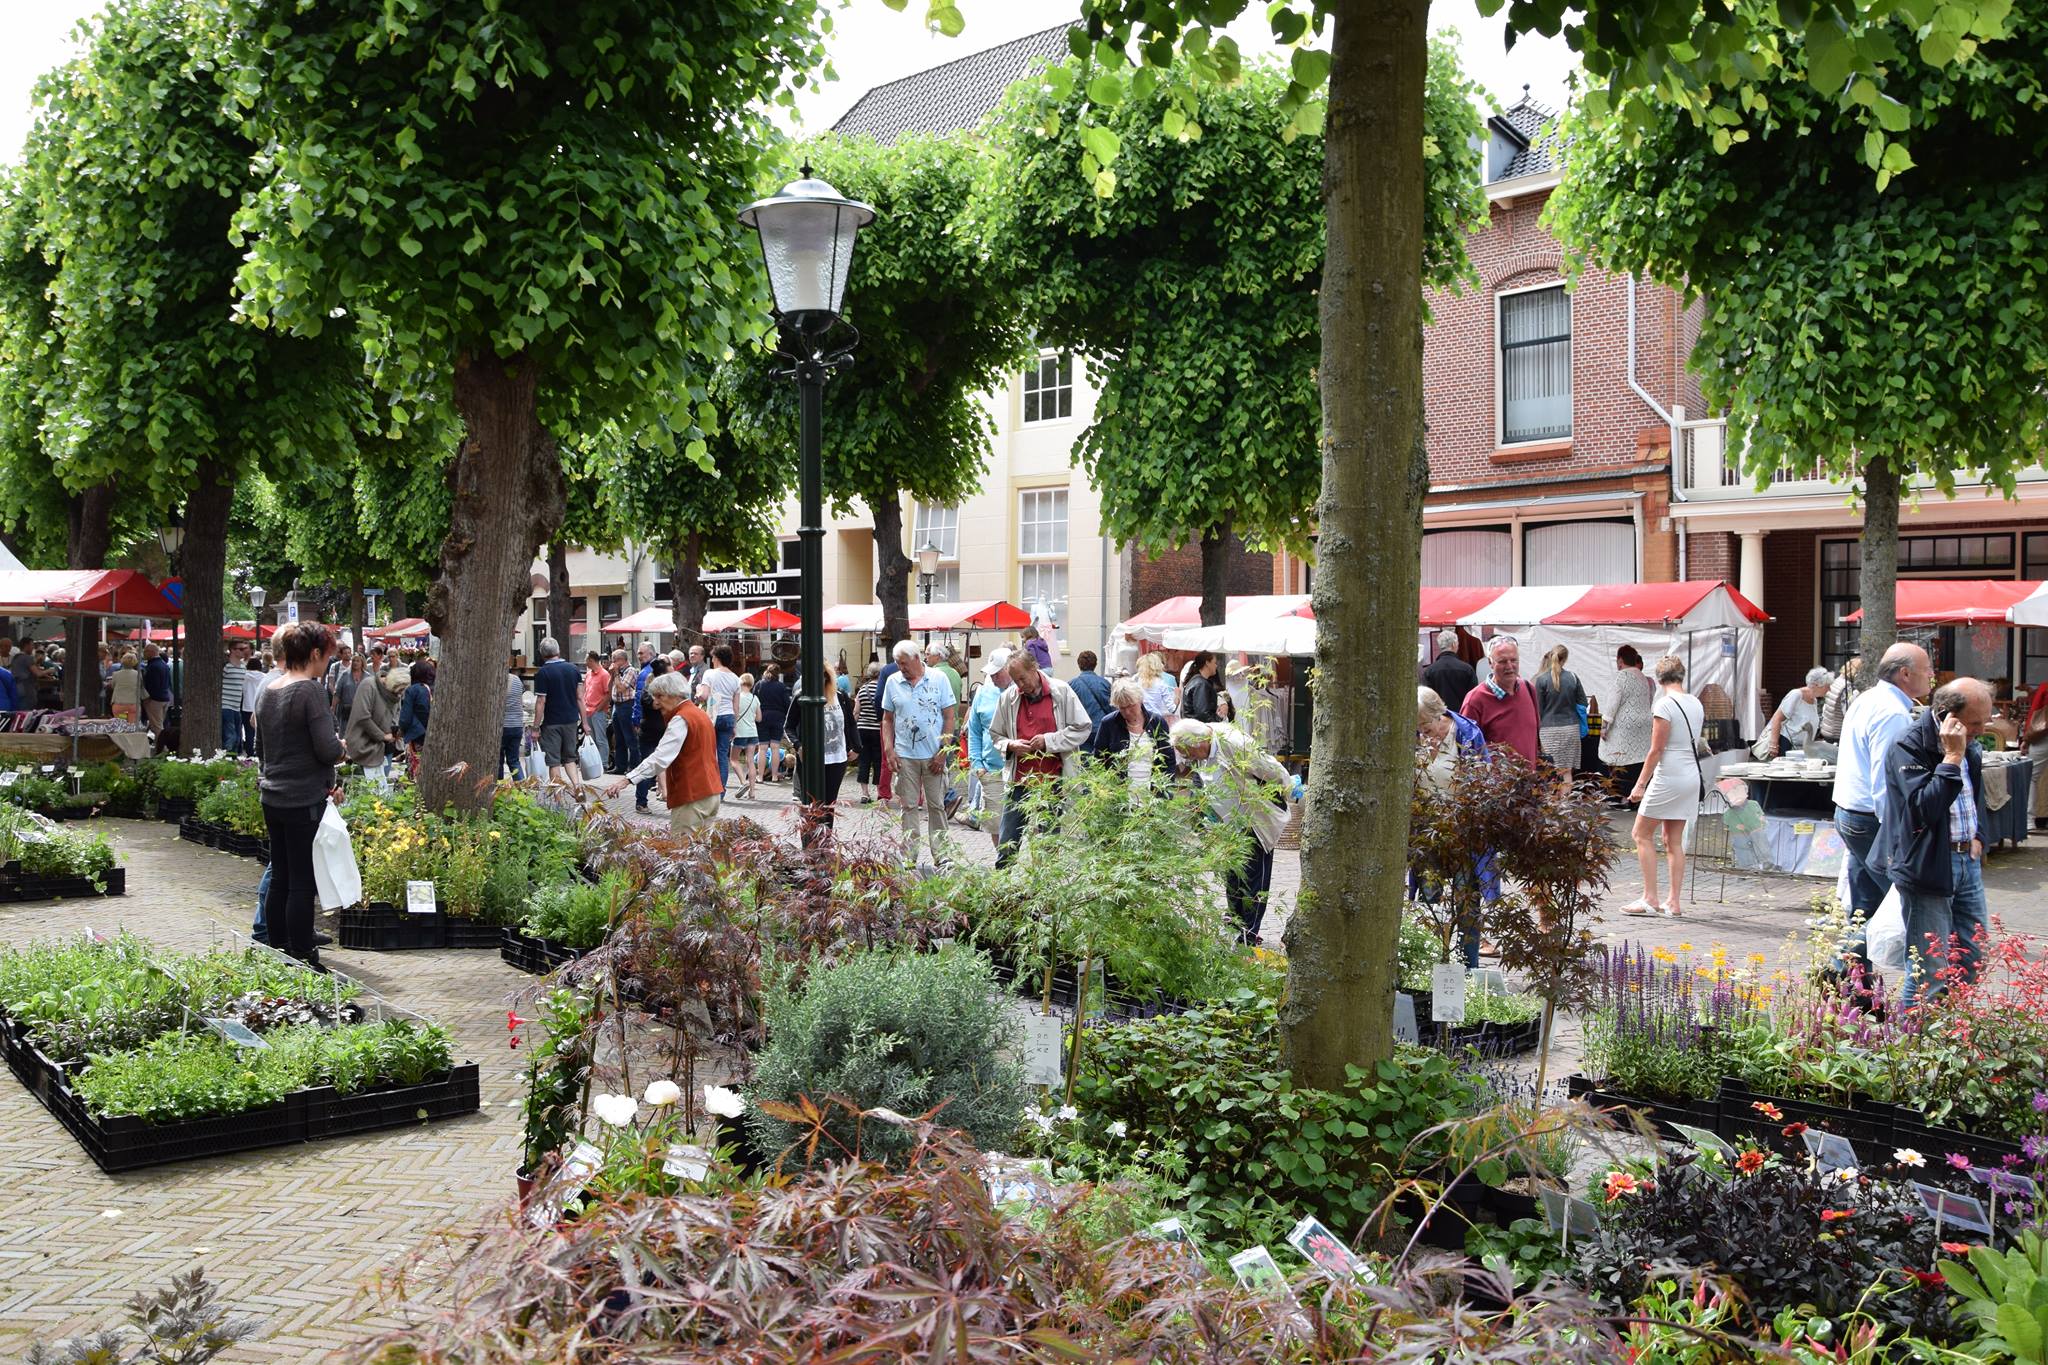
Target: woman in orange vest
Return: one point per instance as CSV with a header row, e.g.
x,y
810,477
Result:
x,y
684,766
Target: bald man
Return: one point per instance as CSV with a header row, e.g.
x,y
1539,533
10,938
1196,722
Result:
x,y
1931,837
1872,724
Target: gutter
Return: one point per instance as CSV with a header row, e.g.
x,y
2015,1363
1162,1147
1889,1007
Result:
x,y
1670,420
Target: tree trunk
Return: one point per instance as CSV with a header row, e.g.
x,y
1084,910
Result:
x,y
892,573
1341,939
561,606
508,499
689,599
1879,578
359,619
89,533
205,556
396,607
1215,571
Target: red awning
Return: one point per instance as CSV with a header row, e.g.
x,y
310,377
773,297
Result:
x,y
1679,606
82,592
749,618
1958,601
968,616
410,627
647,621
242,630
1448,606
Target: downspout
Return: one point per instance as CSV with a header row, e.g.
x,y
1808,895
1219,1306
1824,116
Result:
x,y
1673,421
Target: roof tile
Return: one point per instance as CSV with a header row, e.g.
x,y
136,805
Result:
x,y
953,95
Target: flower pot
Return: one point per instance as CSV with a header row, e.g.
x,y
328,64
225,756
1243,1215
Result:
x,y
525,1180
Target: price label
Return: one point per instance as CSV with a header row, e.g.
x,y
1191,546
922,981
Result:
x,y
236,1032
1447,993
1831,1152
10,777
1802,827
1569,1215
583,1162
1319,1245
49,768
686,1162
1038,1045
419,898
1256,1270
1404,1019
1956,1210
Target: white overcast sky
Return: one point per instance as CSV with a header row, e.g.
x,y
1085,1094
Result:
x,y
870,44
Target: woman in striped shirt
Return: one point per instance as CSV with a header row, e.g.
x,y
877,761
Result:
x,y
867,720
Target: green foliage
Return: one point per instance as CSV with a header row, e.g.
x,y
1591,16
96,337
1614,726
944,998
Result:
x,y
1192,288
1253,1150
577,914
234,801
557,1069
910,1032
1851,316
181,1076
2005,1298
1130,883
180,1324
179,780
44,850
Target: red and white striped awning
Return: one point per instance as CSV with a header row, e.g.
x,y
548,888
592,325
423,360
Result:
x,y
1958,601
865,618
1701,605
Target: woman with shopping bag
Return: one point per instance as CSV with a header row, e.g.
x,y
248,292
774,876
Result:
x,y
300,750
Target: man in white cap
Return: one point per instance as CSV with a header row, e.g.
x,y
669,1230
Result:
x,y
984,764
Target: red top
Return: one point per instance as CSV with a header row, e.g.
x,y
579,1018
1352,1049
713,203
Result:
x,y
1035,717
597,689
694,774
1508,722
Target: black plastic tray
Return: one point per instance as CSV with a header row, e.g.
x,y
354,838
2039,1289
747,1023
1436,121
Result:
x,y
331,1114
18,887
381,928
530,954
461,932
1662,1114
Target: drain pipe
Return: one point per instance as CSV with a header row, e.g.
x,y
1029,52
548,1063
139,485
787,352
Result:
x,y
1674,420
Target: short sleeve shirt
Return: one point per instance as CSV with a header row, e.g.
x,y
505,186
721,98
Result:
x,y
1802,720
724,685
920,710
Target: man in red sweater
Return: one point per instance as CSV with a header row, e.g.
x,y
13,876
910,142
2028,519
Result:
x,y
1504,707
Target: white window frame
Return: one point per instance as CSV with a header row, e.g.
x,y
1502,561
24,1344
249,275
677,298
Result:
x,y
922,530
1500,368
1033,375
1065,521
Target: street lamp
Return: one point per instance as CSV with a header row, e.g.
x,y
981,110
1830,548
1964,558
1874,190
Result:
x,y
927,575
171,536
807,234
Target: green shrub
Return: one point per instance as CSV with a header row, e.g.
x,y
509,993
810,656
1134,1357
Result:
x,y
576,914
235,802
905,1031
1205,1092
186,781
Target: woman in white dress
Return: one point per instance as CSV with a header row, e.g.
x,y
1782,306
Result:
x,y
1670,787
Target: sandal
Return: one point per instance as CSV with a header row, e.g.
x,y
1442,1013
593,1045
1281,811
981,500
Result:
x,y
1672,910
1639,906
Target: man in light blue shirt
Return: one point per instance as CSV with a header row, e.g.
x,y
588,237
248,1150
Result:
x,y
984,764
917,721
1873,723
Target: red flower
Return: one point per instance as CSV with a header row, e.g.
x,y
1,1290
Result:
x,y
1793,1130
1836,1215
1750,1162
1619,1183
1956,1248
1931,1279
1767,1109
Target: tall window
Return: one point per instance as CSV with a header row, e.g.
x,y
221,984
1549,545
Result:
x,y
2034,640
1042,549
610,607
939,526
1049,388
1535,365
1958,649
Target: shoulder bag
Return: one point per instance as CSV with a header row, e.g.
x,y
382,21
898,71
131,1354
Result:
x,y
1699,750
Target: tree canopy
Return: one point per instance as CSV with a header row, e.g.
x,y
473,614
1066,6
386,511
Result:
x,y
1192,291
1866,326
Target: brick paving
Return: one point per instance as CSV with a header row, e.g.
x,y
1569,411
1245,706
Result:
x,y
299,1235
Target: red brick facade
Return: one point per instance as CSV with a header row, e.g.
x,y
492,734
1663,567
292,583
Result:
x,y
1178,573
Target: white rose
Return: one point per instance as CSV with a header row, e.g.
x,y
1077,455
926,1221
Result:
x,y
663,1093
1119,1129
727,1104
616,1110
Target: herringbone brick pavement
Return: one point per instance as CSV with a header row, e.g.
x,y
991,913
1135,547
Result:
x,y
291,1234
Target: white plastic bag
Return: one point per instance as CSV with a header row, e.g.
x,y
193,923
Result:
x,y
535,765
1885,939
335,874
588,761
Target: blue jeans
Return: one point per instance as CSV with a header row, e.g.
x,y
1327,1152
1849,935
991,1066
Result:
x,y
1962,913
508,752
260,930
724,728
231,729
1867,884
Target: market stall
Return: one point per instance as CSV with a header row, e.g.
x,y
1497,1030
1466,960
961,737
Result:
x,y
100,593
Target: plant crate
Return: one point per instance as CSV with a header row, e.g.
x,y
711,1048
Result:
x,y
331,1114
1662,1114
459,931
19,887
1489,1039
1936,1142
530,954
192,829
245,845
382,928
174,810
1869,1127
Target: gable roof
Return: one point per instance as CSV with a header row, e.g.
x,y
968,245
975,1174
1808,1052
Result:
x,y
953,95
1532,127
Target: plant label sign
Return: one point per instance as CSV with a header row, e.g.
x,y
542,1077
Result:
x,y
686,1162
1705,1142
1568,1214
1447,993
1257,1271
1404,1019
1319,1245
582,1163
1038,1045
419,898
2011,1184
49,768
10,777
1956,1210
1830,1151
237,1032
1011,1181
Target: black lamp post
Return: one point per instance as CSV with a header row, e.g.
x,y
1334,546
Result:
x,y
807,234
927,575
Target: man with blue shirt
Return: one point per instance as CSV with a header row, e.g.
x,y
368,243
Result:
x,y
558,712
917,723
1932,842
1091,687
1874,722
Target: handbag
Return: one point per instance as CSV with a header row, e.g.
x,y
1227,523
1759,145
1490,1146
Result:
x,y
1699,751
